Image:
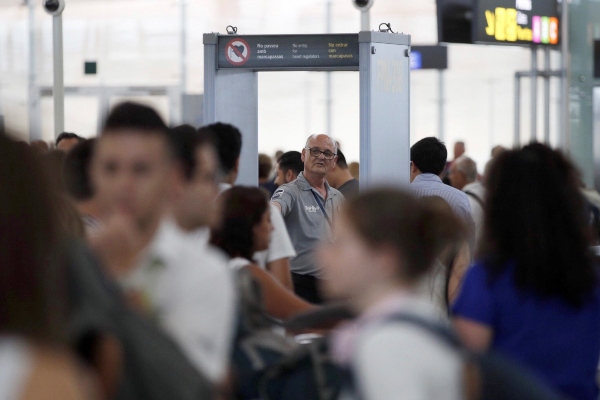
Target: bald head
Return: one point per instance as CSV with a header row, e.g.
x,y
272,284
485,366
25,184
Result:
x,y
317,137
463,172
319,155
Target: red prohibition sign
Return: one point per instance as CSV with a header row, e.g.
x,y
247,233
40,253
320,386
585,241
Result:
x,y
237,52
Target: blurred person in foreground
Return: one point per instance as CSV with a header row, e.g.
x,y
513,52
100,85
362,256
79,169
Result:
x,y
67,140
78,184
309,206
246,230
289,166
138,181
227,140
340,177
533,294
386,242
463,176
69,217
35,362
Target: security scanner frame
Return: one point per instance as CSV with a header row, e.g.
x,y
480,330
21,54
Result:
x,y
231,64
104,95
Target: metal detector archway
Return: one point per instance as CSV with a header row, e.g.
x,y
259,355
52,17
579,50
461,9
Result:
x,y
231,64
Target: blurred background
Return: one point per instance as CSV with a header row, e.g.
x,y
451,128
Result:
x,y
138,43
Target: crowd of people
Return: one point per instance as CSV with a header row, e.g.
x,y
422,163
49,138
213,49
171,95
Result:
x,y
134,267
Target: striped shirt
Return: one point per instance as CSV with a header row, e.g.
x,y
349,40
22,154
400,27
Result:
x,y
431,185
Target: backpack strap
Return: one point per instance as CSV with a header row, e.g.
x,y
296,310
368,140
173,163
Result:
x,y
474,196
436,329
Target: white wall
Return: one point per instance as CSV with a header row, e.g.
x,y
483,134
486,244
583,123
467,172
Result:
x,y
136,42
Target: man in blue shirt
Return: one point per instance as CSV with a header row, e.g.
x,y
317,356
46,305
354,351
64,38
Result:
x,y
427,162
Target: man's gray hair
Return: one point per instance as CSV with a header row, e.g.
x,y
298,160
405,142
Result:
x,y
467,166
314,136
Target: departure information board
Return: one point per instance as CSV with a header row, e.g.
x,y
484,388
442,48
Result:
x,y
280,52
525,22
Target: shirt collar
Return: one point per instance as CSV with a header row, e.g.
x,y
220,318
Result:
x,y
426,177
472,186
304,185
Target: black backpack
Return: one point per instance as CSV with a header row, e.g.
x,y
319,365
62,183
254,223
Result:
x,y
270,366
488,376
154,367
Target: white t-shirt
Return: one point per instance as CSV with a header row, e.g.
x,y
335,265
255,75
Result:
x,y
235,264
280,245
15,366
399,360
190,292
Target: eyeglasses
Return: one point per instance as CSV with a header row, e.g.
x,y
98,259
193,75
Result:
x,y
316,153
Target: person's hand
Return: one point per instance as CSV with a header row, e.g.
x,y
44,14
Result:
x,y
117,243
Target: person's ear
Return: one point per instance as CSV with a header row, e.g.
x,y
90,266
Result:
x,y
289,176
413,168
334,162
236,166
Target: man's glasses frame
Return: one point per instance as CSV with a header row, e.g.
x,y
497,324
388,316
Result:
x,y
317,153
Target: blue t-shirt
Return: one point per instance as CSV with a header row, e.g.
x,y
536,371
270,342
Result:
x,y
558,342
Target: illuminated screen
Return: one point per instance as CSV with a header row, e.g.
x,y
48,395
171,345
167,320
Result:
x,y
524,22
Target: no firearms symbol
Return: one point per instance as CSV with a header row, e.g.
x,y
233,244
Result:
x,y
237,52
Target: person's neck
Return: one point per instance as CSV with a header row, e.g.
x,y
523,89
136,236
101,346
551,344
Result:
x,y
375,294
315,180
148,232
345,177
183,222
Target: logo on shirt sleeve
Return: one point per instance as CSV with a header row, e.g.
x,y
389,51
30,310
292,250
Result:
x,y
277,194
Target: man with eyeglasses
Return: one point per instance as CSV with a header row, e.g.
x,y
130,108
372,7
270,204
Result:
x,y
309,207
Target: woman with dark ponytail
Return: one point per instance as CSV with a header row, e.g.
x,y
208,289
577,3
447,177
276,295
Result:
x,y
386,242
534,294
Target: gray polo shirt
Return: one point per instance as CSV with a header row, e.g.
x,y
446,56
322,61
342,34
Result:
x,y
305,221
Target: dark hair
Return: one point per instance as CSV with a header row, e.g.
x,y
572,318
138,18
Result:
x,y
291,160
67,135
394,219
77,171
228,143
265,165
535,217
32,276
429,155
131,115
243,208
185,139
341,161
